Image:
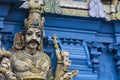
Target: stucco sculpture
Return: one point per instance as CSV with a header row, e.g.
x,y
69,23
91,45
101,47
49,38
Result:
x,y
26,59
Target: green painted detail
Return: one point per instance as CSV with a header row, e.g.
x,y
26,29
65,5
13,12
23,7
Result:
x,y
52,6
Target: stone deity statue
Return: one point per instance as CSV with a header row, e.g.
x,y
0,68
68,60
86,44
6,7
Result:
x,y
26,59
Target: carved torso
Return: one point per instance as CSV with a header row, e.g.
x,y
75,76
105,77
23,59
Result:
x,y
30,66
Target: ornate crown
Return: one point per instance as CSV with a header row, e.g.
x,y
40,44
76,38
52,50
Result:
x,y
34,19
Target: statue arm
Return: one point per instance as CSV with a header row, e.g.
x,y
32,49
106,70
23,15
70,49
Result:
x,y
59,57
63,64
5,67
62,68
5,61
62,72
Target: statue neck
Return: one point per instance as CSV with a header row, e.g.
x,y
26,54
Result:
x,y
31,51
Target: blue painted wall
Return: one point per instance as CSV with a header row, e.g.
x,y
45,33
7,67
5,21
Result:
x,y
93,43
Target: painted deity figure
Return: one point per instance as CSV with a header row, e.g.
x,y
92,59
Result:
x,y
26,59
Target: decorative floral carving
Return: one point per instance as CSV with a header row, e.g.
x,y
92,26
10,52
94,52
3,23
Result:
x,y
52,6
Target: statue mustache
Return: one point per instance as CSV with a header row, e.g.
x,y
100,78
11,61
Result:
x,y
33,40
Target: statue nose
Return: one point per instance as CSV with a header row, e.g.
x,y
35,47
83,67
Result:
x,y
34,36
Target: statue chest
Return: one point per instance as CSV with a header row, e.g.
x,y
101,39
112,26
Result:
x,y
35,64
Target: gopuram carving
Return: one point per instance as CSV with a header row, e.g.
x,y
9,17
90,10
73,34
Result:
x,y
26,59
107,9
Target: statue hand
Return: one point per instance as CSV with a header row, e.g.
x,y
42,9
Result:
x,y
10,75
5,63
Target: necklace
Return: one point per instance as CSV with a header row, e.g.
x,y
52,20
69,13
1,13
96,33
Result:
x,y
34,58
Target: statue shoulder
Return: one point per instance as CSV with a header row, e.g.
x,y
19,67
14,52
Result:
x,y
17,52
17,55
47,57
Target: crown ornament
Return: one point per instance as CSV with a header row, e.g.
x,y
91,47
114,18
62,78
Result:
x,y
34,18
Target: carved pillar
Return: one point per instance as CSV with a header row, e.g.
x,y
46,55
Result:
x,y
95,51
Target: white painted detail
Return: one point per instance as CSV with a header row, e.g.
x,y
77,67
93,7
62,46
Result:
x,y
96,9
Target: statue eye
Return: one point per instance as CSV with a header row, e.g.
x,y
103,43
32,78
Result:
x,y
28,33
38,35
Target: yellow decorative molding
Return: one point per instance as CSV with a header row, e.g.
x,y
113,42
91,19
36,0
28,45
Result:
x,y
76,12
117,15
74,4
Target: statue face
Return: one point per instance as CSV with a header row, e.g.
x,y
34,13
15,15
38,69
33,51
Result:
x,y
33,37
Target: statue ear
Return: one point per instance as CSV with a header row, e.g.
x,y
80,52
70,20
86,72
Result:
x,y
19,40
